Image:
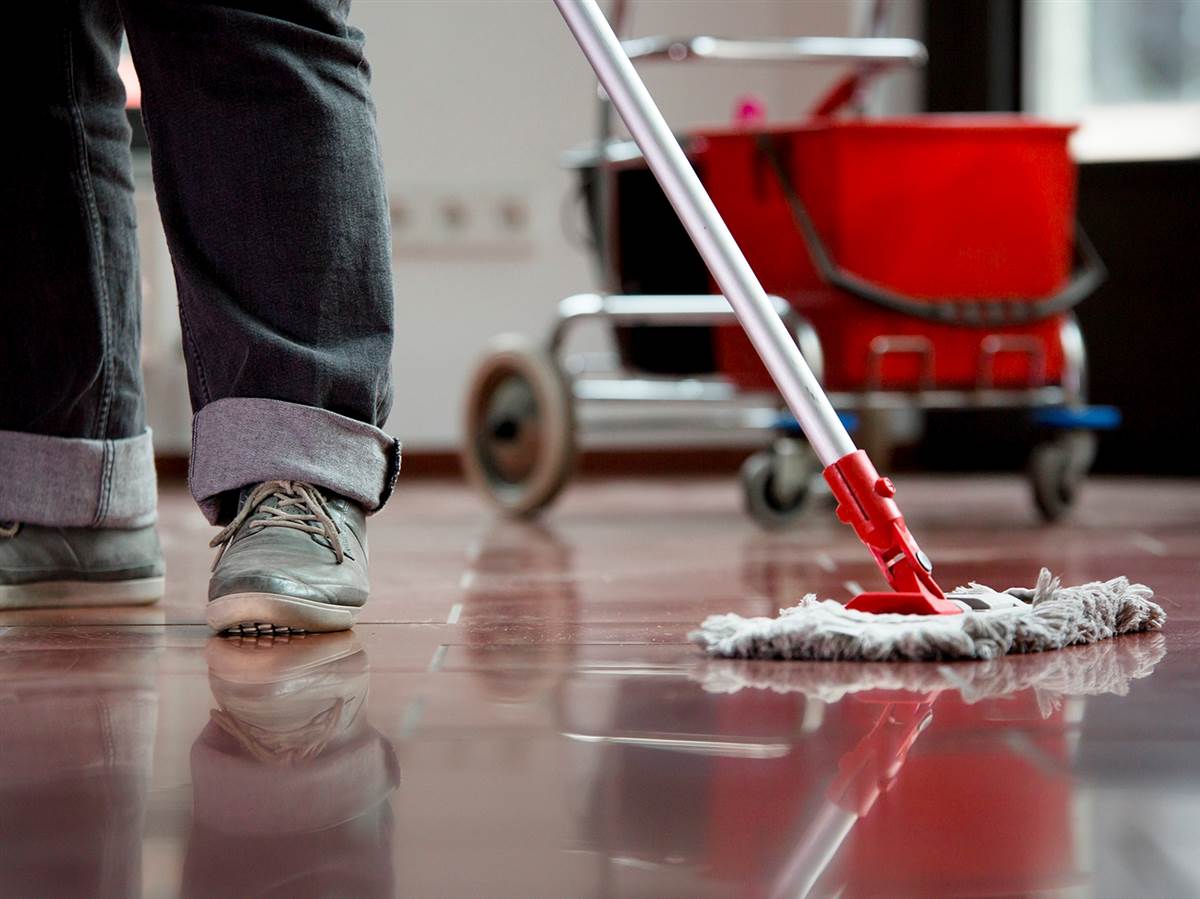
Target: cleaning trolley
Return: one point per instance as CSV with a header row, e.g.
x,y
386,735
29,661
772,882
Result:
x,y
929,262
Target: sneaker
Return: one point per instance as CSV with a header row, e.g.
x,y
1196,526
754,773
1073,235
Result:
x,y
47,567
293,560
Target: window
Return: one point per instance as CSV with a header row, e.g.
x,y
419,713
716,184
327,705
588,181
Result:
x,y
1128,71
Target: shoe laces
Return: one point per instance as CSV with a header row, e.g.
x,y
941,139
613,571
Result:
x,y
282,746
298,506
8,529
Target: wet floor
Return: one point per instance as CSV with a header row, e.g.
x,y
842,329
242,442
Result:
x,y
519,715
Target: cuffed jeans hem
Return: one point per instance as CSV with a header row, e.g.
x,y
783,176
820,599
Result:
x,y
76,482
240,441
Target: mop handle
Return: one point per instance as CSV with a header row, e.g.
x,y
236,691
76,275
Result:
x,y
775,345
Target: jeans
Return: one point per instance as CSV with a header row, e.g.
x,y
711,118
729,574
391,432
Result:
x,y
269,182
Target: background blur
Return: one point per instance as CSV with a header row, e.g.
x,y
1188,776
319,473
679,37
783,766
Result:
x,y
478,99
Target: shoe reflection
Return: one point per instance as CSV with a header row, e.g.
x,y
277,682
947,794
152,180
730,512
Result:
x,y
77,724
290,782
83,616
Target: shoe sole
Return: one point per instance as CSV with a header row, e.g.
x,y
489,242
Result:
x,y
274,613
81,594
240,659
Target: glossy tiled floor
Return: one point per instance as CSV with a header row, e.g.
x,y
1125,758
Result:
x,y
519,715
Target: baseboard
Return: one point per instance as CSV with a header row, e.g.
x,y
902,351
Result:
x,y
171,467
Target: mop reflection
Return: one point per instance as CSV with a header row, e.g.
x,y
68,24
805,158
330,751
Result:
x,y
766,780
78,712
290,782
931,751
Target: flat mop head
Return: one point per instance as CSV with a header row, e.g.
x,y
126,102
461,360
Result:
x,y
992,624
1107,667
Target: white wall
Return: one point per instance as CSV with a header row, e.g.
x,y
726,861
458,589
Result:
x,y
477,99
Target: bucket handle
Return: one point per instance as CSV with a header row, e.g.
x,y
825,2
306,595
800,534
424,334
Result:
x,y
1087,274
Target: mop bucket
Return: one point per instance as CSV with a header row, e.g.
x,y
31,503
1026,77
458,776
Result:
x,y
933,252
928,263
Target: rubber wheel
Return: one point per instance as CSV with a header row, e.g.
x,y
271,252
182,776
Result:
x,y
519,427
1057,469
771,504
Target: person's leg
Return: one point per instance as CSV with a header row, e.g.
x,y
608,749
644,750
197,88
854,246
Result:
x,y
269,180
73,444
268,176
77,485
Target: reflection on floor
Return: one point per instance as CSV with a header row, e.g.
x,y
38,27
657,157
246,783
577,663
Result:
x,y
520,715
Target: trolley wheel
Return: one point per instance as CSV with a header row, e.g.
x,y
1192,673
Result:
x,y
519,430
1057,469
776,482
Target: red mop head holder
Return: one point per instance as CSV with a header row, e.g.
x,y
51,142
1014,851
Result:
x,y
865,503
868,770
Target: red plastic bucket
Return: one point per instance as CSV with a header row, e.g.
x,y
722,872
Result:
x,y
935,207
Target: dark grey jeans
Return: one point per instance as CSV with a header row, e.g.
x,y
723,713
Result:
x,y
268,177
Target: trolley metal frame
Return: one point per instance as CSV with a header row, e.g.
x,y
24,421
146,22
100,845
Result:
x,y
601,396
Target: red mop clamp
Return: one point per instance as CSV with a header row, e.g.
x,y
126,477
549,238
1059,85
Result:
x,y
865,503
868,771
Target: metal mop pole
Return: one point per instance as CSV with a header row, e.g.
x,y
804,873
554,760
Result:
x,y
864,498
729,267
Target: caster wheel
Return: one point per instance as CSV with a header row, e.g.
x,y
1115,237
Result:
x,y
776,483
1057,470
519,430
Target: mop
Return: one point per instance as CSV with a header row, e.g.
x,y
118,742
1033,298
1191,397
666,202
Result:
x,y
1098,669
915,620
986,624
